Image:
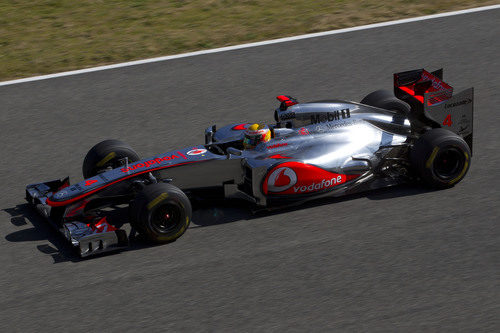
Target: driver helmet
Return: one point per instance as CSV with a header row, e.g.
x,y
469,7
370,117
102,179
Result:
x,y
256,134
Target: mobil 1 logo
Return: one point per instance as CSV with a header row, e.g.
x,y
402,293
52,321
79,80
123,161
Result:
x,y
330,116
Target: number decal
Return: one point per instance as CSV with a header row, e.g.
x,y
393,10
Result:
x,y
90,182
447,121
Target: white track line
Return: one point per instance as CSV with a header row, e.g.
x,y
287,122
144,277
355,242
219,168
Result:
x,y
244,46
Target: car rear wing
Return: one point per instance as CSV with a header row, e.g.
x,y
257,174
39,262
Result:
x,y
432,100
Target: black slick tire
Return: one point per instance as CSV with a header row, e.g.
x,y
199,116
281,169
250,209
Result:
x,y
385,99
107,154
440,158
161,213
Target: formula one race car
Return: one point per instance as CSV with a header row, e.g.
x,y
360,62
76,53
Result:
x,y
420,132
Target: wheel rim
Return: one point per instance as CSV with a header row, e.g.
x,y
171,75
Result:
x,y
166,218
448,163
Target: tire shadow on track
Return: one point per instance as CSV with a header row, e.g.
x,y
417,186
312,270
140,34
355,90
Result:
x,y
205,214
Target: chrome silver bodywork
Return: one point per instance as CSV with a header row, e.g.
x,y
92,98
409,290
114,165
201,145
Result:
x,y
318,149
338,136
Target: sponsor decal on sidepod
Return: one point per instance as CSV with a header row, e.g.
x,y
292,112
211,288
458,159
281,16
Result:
x,y
299,178
277,145
303,131
281,179
325,183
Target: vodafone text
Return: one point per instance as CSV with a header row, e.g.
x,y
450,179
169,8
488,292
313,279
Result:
x,y
157,160
325,183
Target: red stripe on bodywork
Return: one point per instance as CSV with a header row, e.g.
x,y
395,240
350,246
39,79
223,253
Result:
x,y
436,85
102,226
282,98
287,99
66,202
411,92
240,127
278,156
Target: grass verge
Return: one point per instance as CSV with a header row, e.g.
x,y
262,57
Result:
x,y
47,36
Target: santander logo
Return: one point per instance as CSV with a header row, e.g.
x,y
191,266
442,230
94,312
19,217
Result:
x,y
281,179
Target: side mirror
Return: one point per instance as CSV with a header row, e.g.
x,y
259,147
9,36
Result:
x,y
209,134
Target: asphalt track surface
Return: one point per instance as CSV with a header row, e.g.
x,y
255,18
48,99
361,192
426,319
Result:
x,y
402,259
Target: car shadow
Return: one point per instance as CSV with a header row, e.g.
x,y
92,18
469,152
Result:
x,y
57,247
205,214
213,213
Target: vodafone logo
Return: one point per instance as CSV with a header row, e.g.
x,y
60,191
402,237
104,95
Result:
x,y
281,179
197,151
324,184
297,178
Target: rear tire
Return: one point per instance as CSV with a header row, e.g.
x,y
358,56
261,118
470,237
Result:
x,y
441,158
161,213
385,99
107,154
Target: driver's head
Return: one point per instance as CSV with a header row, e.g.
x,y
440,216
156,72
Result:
x,y
256,134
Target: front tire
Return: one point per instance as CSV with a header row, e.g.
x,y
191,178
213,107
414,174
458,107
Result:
x,y
441,158
107,154
161,213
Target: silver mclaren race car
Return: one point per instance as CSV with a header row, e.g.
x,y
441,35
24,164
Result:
x,y
420,132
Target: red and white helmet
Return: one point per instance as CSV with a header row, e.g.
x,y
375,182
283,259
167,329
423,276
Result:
x,y
255,134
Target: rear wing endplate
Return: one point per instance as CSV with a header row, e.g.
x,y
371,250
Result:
x,y
429,96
